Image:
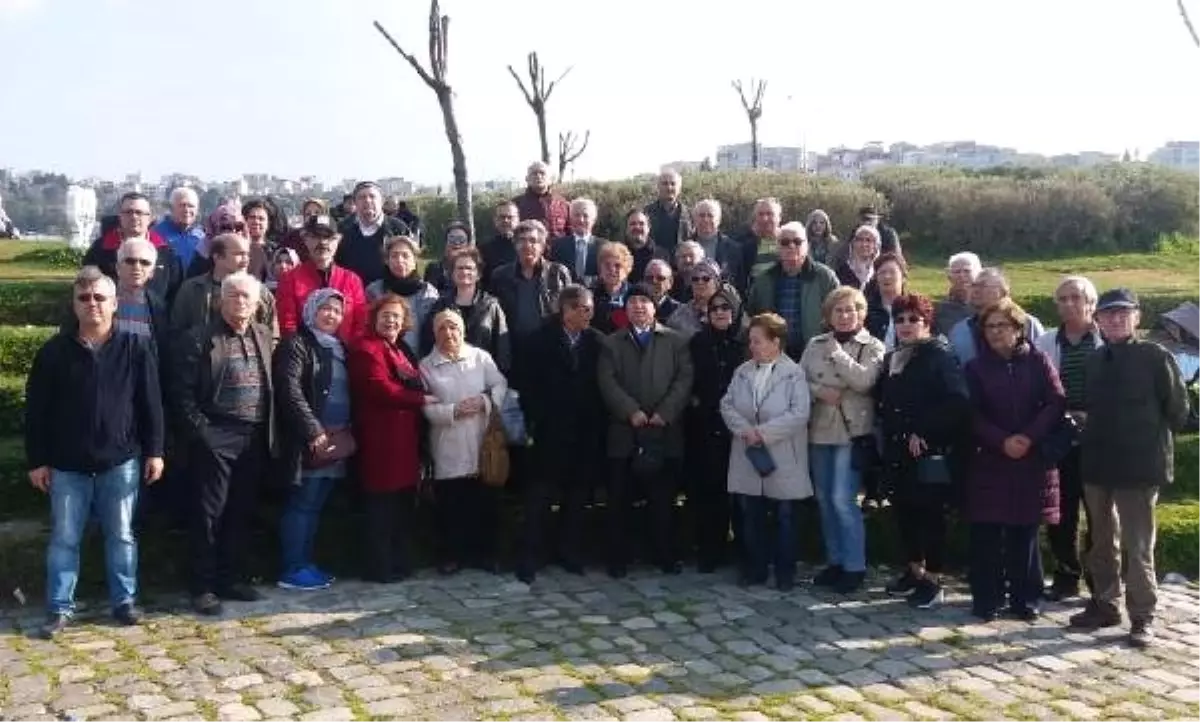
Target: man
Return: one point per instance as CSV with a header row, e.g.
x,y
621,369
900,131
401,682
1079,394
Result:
x,y
966,338
706,219
342,212
199,298
669,220
93,432
1069,347
363,234
641,244
181,228
1135,398
889,240
405,215
794,287
759,241
961,270
659,279
501,249
540,202
221,385
577,250
645,374
140,310
565,416
134,222
528,289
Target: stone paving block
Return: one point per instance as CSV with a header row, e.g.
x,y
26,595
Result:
x,y
697,713
880,712
885,693
334,714
238,711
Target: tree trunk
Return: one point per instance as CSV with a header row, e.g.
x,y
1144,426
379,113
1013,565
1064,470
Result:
x,y
754,144
462,185
541,121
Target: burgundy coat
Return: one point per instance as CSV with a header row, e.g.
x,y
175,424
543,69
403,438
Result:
x,y
1022,395
386,398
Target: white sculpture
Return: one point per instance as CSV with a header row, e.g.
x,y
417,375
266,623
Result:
x,y
81,215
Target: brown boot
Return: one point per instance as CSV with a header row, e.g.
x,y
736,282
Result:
x,y
1095,616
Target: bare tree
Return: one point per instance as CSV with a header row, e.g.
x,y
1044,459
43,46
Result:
x,y
537,94
569,149
1187,21
753,106
435,78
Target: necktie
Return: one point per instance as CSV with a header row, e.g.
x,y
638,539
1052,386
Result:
x,y
581,250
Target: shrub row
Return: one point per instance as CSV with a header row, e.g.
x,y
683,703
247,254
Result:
x,y
33,303
18,346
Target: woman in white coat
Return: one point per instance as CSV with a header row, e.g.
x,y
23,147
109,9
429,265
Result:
x,y
766,409
466,383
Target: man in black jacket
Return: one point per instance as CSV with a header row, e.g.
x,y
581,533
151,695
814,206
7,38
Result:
x,y
363,234
502,248
93,432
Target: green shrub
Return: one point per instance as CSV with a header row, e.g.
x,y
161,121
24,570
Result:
x,y
12,405
33,303
18,346
56,257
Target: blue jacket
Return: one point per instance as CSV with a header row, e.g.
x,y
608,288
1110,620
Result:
x,y
966,337
184,241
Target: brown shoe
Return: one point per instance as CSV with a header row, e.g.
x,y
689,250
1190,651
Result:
x,y
1095,616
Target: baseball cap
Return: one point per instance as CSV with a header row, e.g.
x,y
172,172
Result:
x,y
1117,298
320,226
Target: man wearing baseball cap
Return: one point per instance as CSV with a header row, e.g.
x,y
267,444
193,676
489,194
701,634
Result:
x,y
1136,398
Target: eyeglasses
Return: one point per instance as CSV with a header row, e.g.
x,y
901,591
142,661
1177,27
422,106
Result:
x,y
135,212
718,307
228,227
1004,325
701,279
143,262
908,318
91,297
658,279
789,243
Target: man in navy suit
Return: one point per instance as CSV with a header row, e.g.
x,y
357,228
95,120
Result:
x,y
577,251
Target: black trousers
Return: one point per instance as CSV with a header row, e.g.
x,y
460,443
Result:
x,y
390,517
226,469
660,493
465,515
921,519
572,486
1003,554
709,501
1064,537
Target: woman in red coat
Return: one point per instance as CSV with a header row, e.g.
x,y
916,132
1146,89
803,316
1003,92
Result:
x,y
387,395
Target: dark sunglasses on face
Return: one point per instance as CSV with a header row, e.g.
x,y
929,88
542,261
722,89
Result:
x,y
718,307
788,242
228,227
90,297
143,262
701,279
908,318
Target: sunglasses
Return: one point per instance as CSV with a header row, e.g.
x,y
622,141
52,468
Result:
x,y
227,227
91,297
788,243
143,262
701,279
718,307
909,318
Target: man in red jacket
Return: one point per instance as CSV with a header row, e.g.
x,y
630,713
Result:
x,y
319,271
539,202
134,217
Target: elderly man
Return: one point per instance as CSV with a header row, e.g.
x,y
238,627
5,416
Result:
x,y
759,249
706,219
641,244
966,338
541,203
93,432
687,255
669,221
961,270
1135,398
199,298
363,234
181,228
221,386
140,309
133,221
528,288
794,287
502,248
577,250
645,375
659,279
1069,347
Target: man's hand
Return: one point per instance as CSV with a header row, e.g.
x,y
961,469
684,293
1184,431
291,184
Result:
x,y
829,395
916,446
657,421
153,469
40,478
638,419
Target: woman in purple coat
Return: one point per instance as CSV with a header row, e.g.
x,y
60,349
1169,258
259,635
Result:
x,y
1017,401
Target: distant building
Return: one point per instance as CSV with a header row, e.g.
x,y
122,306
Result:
x,y
395,187
1178,154
780,158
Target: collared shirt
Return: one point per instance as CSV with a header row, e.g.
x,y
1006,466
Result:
x,y
369,230
573,337
762,374
581,255
640,335
1071,367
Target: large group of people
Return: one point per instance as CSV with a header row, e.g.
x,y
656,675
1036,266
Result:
x,y
748,370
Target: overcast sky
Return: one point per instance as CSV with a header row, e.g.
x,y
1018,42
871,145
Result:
x,y
307,87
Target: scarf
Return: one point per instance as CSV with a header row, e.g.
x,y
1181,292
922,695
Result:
x,y
904,353
402,286
844,336
315,300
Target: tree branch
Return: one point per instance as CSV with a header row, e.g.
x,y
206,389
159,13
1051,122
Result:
x,y
567,152
521,85
1187,21
411,60
550,88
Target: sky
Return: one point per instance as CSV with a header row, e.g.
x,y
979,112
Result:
x,y
308,87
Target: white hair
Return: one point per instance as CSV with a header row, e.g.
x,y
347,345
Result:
x,y
691,246
242,281
133,245
1084,284
992,273
669,172
538,165
581,203
712,204
871,231
184,192
795,228
971,259
657,262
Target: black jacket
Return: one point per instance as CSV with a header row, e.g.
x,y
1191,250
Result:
x,y
304,369
364,254
560,395
496,253
552,278
878,316
89,410
729,256
486,327
436,276
642,257
562,250
715,356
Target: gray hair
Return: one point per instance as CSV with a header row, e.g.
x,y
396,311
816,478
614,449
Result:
x,y
795,228
771,201
574,294
712,204
133,245
871,231
992,273
971,259
1084,284
242,281
580,203
184,192
669,172
534,226
89,276
691,246
657,262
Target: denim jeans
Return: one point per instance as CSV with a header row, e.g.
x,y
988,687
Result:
x,y
836,484
759,545
301,516
74,497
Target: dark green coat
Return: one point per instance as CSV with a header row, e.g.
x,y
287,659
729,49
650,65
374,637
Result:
x,y
817,280
656,379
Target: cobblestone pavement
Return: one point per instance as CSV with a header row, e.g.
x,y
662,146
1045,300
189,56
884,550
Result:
x,y
648,647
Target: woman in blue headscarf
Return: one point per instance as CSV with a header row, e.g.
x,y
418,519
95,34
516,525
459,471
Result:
x,y
313,401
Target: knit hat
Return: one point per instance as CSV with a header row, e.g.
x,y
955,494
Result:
x,y
640,289
706,267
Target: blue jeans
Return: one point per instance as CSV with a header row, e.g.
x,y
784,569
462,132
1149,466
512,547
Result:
x,y
758,546
836,485
74,497
298,527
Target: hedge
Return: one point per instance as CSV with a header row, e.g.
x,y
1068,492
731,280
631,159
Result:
x,y
18,346
33,303
12,404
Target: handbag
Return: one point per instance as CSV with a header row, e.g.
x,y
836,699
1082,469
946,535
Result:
x,y
1055,446
933,470
760,458
649,453
493,452
864,452
340,445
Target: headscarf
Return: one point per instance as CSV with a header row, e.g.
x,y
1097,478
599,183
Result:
x,y
312,304
281,251
228,211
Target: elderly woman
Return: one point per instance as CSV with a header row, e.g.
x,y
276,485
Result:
x,y
1017,401
320,271
388,395
439,274
614,262
687,255
766,409
466,385
400,277
858,268
922,403
705,281
841,367
823,245
889,282
313,402
487,327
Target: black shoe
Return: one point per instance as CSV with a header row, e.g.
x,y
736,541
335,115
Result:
x,y
902,585
391,577
1141,633
486,565
1095,616
617,571
1063,589
572,568
1026,614
526,574
128,615
785,584
449,569
207,604
985,615
829,576
747,580
54,624
850,582
239,593
705,566
927,595
671,568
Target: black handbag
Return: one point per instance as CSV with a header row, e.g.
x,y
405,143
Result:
x,y
649,452
933,470
1055,446
760,458
864,452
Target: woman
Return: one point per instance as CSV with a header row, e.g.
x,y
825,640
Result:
x,y
486,326
823,245
766,409
439,273
388,396
283,260
1017,400
259,227
319,271
227,218
615,263
313,401
400,277
705,280
466,385
841,367
858,268
717,350
921,398
889,282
